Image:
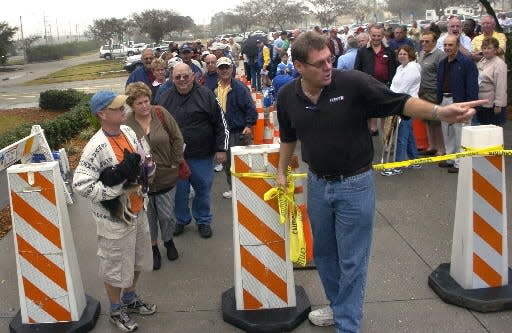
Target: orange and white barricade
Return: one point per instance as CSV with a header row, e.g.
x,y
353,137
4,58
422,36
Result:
x,y
52,297
478,275
264,294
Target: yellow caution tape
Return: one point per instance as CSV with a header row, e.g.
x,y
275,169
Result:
x,y
288,210
494,150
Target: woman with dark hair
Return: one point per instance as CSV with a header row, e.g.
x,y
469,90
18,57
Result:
x,y
406,80
492,78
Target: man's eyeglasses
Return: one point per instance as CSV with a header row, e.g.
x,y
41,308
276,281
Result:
x,y
426,41
180,77
211,62
149,58
320,64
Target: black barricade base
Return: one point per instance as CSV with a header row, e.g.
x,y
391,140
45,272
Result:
x,y
85,324
267,320
482,300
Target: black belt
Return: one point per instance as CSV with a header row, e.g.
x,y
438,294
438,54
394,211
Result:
x,y
447,95
338,176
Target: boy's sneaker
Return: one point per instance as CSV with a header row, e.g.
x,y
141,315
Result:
x,y
123,321
227,194
139,307
218,167
322,317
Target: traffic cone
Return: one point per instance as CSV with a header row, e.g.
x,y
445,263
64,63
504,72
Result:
x,y
259,128
267,127
420,133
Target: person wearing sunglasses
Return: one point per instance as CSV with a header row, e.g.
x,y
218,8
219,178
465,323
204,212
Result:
x,y
206,136
327,110
143,73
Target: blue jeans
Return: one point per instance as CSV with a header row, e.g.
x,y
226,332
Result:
x,y
341,215
255,76
201,180
406,142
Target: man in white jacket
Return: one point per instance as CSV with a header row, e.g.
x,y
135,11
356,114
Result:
x,y
124,250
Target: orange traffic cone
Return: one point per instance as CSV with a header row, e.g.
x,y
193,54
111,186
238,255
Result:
x,y
420,133
259,128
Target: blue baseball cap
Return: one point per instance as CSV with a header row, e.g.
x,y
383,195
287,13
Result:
x,y
105,99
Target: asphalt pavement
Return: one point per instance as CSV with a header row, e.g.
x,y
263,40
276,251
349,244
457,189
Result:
x,y
412,236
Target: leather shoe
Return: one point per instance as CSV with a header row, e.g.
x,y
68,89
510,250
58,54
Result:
x,y
205,230
172,253
427,152
180,228
445,164
157,258
453,170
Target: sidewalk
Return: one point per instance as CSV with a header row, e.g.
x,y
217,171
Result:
x,y
412,236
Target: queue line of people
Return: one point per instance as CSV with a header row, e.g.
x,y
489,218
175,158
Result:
x,y
206,111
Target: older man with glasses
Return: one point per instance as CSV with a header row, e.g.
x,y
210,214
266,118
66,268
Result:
x,y
455,29
206,136
143,73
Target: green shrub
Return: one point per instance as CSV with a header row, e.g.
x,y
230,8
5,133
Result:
x,y
59,51
60,99
56,130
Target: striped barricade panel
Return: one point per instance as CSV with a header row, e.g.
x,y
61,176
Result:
x,y
263,271
39,248
488,227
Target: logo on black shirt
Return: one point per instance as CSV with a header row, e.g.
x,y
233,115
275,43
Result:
x,y
336,99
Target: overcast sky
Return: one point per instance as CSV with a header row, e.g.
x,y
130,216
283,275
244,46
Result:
x,y
70,16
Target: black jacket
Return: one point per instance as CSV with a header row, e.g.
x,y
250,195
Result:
x,y
200,119
365,62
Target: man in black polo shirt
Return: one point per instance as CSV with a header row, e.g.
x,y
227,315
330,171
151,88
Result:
x,y
328,111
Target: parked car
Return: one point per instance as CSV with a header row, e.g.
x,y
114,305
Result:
x,y
132,62
139,47
236,37
116,50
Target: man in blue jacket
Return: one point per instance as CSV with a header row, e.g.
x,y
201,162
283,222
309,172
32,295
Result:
x,y
143,73
457,81
239,111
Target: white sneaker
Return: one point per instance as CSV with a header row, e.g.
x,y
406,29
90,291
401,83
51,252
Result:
x,y
227,195
391,172
218,167
322,317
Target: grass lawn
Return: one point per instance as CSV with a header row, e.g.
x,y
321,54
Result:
x,y
8,122
101,69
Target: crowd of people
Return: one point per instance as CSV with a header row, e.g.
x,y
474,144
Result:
x,y
188,108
